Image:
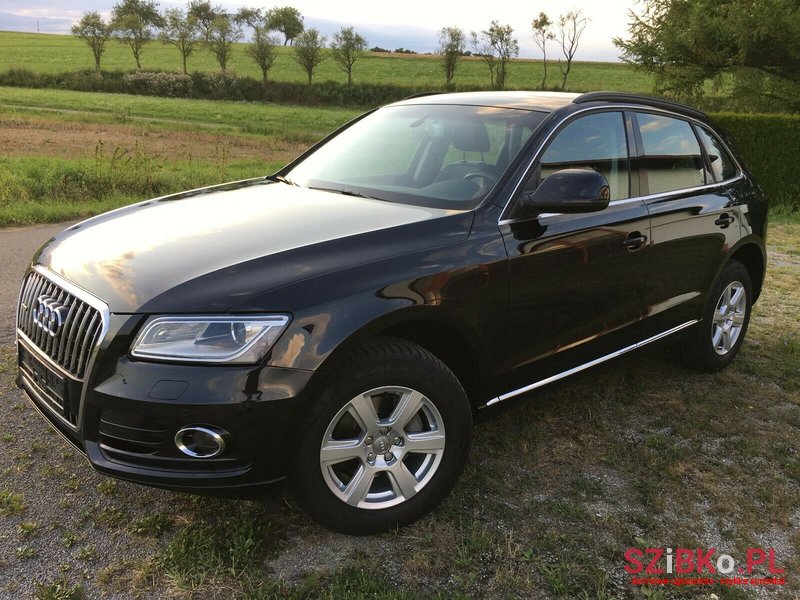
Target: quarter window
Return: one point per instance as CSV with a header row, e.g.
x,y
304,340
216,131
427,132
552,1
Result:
x,y
672,157
722,165
597,142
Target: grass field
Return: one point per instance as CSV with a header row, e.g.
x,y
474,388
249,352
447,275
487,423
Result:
x,y
73,154
58,53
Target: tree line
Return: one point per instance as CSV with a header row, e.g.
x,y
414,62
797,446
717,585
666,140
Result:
x,y
203,25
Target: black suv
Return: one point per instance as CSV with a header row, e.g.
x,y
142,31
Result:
x,y
341,323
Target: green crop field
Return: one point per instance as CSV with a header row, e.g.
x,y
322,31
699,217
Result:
x,y
73,154
57,53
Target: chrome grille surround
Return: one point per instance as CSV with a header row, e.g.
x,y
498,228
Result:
x,y
62,326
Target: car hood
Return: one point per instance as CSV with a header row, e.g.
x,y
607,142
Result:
x,y
210,249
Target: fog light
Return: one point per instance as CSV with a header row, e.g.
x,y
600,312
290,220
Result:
x,y
201,442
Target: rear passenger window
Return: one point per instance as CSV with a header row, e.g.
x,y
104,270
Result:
x,y
722,165
672,158
597,142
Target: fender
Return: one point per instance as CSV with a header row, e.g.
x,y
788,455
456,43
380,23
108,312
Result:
x,y
749,241
444,285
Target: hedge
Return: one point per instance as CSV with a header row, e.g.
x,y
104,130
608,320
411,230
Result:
x,y
770,145
213,86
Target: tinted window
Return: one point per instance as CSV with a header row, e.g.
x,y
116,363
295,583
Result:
x,y
596,142
672,157
722,166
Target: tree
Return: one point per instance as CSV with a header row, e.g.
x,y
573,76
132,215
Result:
x,y
180,30
309,50
287,20
204,14
570,29
132,22
347,47
753,44
542,33
262,48
452,44
496,45
223,33
95,32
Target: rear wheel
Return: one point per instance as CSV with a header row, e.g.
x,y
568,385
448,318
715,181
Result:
x,y
385,441
718,337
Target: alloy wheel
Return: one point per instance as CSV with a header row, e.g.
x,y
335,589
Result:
x,y
382,447
728,318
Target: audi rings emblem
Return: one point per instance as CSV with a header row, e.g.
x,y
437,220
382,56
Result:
x,y
49,314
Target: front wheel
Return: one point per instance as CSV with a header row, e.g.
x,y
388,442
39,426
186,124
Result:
x,y
718,337
385,441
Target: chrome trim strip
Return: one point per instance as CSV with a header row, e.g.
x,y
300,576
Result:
x,y
698,188
624,107
19,301
589,364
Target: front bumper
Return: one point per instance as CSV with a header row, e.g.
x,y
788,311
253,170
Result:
x,y
130,412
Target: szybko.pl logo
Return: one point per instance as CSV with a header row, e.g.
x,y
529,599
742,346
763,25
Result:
x,y
651,564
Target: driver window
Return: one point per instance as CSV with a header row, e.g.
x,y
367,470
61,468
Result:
x,y
597,142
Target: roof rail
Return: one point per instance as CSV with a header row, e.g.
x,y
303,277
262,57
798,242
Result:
x,y
640,99
422,95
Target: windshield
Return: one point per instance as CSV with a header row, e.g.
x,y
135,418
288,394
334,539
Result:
x,y
442,156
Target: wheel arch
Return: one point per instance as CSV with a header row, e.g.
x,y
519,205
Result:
x,y
752,255
448,340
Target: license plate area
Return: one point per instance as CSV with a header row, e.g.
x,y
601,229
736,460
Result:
x,y
49,386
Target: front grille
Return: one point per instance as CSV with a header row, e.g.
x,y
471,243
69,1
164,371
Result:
x,y
70,343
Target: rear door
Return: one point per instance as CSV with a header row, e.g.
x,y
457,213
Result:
x,y
693,219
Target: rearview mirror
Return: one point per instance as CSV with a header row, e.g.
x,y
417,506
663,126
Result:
x,y
569,191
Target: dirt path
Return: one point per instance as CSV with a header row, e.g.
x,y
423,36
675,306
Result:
x,y
24,136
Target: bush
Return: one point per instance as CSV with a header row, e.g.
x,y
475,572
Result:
x,y
770,145
171,85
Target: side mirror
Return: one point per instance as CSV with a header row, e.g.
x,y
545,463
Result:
x,y
569,191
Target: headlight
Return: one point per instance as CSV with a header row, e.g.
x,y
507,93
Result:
x,y
228,339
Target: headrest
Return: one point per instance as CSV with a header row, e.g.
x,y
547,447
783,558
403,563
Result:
x,y
471,137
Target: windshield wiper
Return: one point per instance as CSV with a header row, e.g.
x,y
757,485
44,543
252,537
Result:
x,y
355,194
281,179
348,192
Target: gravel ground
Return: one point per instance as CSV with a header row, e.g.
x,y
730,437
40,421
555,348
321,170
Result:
x,y
17,246
72,520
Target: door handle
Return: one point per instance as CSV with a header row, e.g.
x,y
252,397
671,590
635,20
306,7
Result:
x,y
634,241
724,220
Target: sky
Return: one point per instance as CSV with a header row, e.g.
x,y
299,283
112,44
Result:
x,y
408,23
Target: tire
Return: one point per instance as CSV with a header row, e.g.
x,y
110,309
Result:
x,y
715,341
362,470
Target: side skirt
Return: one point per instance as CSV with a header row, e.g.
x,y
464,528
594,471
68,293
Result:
x,y
589,364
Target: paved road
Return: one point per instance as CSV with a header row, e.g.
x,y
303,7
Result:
x,y
17,246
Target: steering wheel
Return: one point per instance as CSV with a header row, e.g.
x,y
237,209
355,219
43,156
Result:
x,y
487,180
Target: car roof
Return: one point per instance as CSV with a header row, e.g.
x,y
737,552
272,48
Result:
x,y
544,101
549,101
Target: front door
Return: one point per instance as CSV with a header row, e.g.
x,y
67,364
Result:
x,y
575,278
